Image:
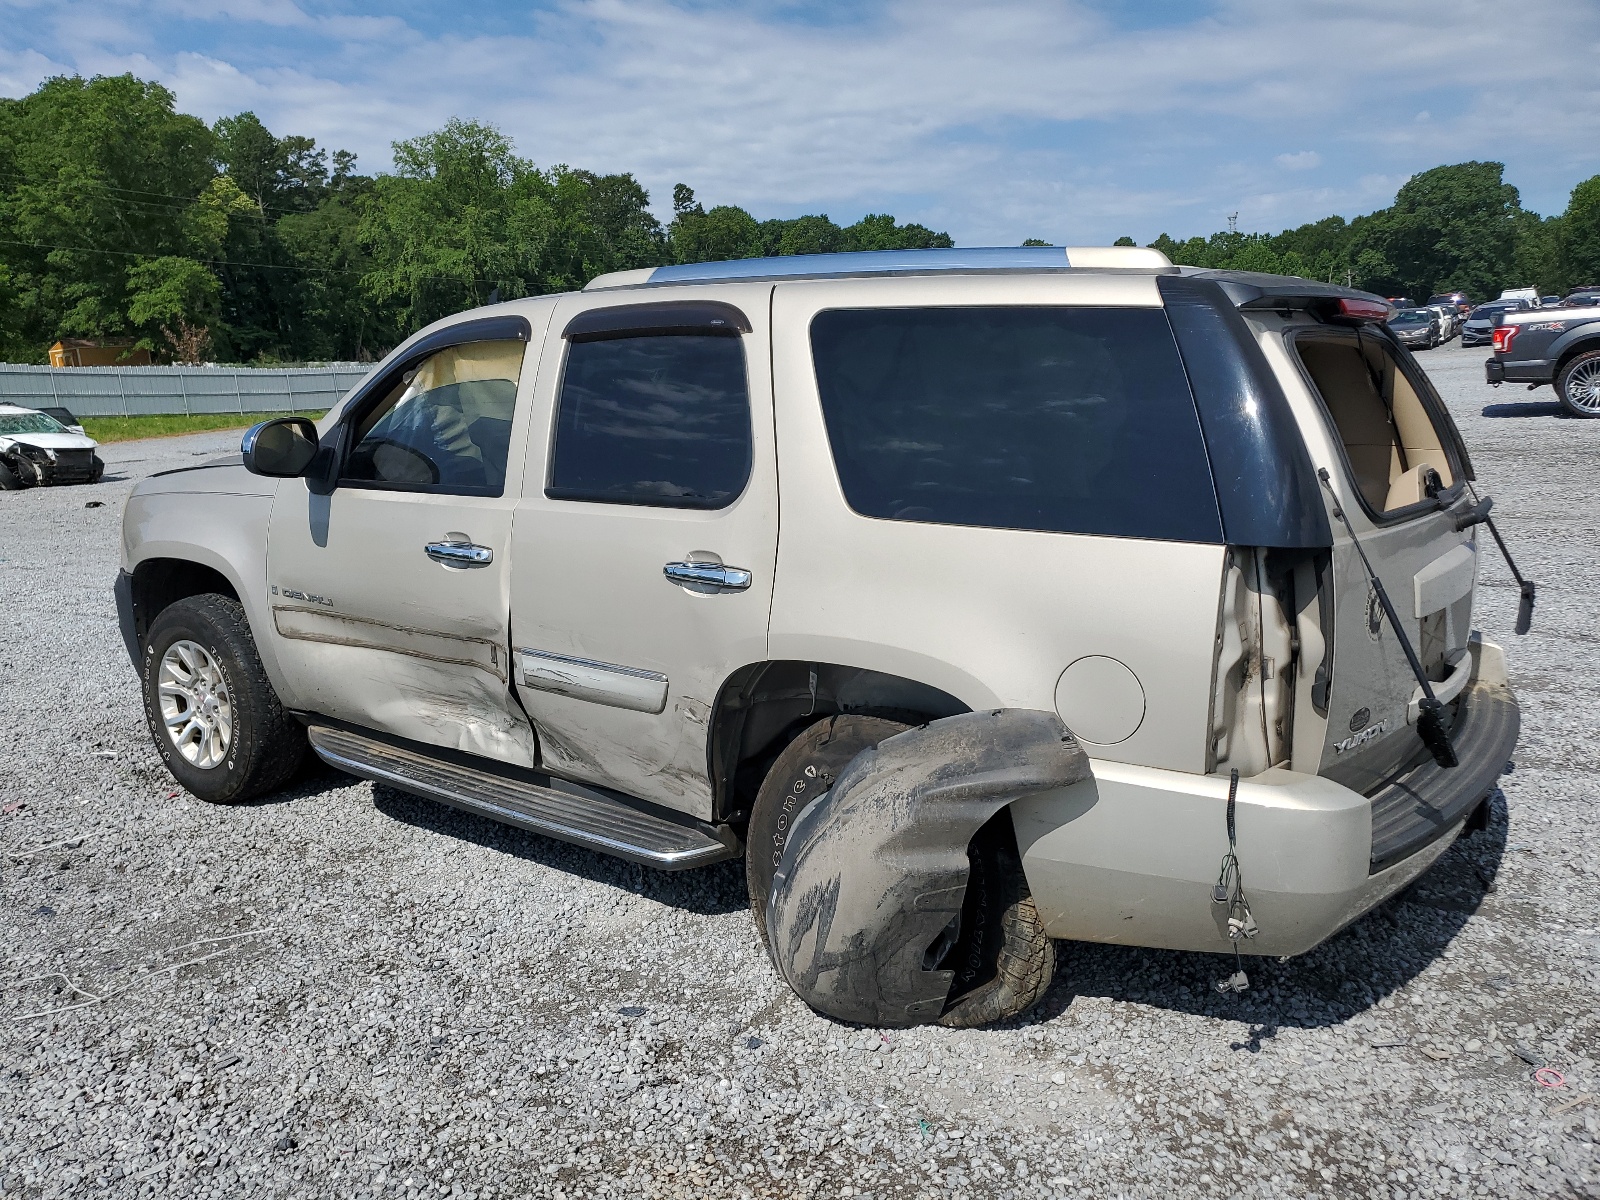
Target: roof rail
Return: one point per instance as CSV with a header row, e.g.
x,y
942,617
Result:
x,y
896,262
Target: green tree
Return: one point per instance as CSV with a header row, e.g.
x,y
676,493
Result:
x,y
96,176
173,301
1452,228
1581,234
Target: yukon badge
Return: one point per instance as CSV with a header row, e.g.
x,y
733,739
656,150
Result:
x,y
1362,737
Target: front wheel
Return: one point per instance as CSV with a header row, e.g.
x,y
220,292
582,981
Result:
x,y
1578,385
217,723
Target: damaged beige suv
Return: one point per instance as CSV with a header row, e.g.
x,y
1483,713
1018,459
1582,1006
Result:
x,y
978,598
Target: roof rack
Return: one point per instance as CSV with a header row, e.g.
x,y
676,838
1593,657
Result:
x,y
897,262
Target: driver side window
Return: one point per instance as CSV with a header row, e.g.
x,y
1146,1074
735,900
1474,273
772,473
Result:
x,y
444,427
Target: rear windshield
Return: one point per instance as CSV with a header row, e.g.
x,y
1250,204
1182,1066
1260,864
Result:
x,y
1067,420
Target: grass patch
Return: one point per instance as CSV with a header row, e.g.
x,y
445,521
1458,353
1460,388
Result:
x,y
127,429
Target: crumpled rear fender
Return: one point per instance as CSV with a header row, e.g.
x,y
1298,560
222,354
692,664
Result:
x,y
875,871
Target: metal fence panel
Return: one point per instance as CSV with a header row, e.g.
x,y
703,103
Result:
x,y
149,391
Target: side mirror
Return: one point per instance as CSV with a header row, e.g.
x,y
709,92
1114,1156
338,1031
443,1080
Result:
x,y
282,448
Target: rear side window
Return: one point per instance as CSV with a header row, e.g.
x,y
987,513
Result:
x,y
1067,420
661,420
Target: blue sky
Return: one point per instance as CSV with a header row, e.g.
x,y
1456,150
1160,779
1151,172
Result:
x,y
1072,121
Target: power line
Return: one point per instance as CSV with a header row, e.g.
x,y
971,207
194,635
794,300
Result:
x,y
220,262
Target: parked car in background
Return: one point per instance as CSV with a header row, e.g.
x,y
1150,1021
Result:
x,y
1584,297
1417,328
1478,330
1559,346
1528,295
1549,301
1459,301
1401,301
37,450
1449,320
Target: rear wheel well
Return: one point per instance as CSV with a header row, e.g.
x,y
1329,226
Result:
x,y
1572,352
159,582
765,706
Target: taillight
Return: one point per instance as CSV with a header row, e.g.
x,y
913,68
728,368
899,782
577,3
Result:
x,y
1364,310
1503,336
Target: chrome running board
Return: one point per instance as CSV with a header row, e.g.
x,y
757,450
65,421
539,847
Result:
x,y
555,808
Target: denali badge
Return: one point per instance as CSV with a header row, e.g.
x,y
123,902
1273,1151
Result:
x,y
1362,738
1359,719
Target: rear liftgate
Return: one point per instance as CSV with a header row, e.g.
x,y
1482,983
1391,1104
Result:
x,y
872,879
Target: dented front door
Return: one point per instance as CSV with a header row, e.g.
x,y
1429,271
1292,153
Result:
x,y
390,596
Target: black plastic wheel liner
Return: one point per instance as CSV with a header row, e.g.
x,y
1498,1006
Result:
x,y
875,870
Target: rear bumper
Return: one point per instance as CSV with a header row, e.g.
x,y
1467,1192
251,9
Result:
x,y
1130,856
1527,370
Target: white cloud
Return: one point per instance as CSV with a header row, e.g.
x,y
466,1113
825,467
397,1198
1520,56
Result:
x,y
996,121
1302,160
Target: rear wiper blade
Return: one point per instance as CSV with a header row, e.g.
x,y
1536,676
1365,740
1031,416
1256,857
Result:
x,y
1430,713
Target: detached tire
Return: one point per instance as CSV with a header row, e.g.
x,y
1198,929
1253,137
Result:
x,y
216,722
800,775
1578,384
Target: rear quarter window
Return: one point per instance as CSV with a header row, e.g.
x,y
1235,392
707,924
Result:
x,y
1066,420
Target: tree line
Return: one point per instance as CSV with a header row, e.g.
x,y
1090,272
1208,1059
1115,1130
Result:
x,y
123,218
1454,228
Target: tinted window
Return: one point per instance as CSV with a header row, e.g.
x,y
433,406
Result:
x,y
653,420
445,426
1072,420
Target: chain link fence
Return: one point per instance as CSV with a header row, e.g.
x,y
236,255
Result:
x,y
151,391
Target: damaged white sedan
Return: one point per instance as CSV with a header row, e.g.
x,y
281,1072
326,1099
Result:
x,y
37,450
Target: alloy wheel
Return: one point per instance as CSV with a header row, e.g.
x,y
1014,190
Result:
x,y
1583,386
195,706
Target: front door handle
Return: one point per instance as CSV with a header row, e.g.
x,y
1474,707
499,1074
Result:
x,y
460,554
712,576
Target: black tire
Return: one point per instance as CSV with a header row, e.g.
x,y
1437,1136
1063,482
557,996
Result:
x,y
1002,957
97,468
804,770
1585,364
266,745
8,479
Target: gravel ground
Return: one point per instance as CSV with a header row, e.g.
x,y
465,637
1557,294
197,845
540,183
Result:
x,y
346,991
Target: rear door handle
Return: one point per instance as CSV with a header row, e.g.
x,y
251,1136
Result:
x,y
714,576
461,554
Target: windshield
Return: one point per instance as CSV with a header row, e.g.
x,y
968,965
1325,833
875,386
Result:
x,y
1410,318
29,423
1485,312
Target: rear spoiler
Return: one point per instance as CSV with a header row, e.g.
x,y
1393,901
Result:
x,y
1256,289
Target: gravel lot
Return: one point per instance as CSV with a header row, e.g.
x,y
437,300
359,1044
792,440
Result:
x,y
344,991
